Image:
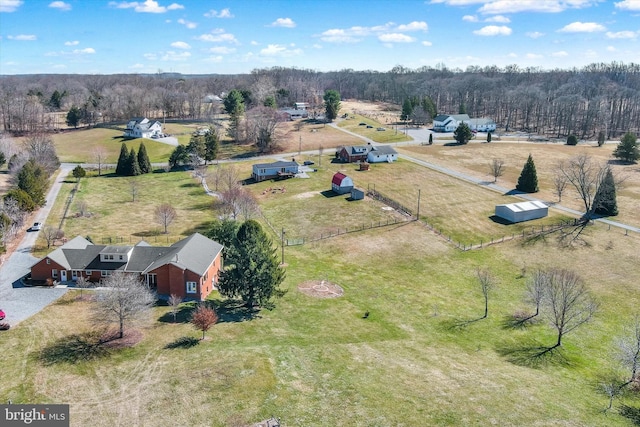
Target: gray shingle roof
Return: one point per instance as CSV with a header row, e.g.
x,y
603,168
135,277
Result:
x,y
384,149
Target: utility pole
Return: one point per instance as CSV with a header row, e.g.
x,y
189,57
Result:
x,y
300,146
282,245
418,214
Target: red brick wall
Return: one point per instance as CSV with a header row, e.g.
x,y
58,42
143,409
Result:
x,y
42,270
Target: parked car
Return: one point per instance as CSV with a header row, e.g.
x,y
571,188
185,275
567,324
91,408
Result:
x,y
309,162
37,226
380,129
2,315
362,124
369,127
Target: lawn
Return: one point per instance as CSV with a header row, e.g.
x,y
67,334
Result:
x,y
421,357
318,362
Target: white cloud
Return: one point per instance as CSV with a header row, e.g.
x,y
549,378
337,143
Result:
x,y
611,49
10,5
622,35
283,22
582,27
136,66
317,46
413,26
60,5
72,43
499,7
512,55
180,45
224,13
280,51
175,56
560,54
150,56
470,18
222,50
427,43
632,5
533,56
499,19
214,59
534,34
23,37
148,6
493,30
86,50
254,43
395,38
188,24
218,36
338,36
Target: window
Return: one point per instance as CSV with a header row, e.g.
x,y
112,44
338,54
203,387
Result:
x,y
105,273
48,261
192,287
74,274
88,272
54,273
121,257
110,256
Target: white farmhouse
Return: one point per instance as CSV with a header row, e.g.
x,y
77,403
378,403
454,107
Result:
x,y
449,123
141,127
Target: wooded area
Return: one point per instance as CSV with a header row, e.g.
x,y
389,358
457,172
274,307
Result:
x,y
555,103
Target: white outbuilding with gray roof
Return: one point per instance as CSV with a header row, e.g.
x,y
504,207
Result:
x,y
523,211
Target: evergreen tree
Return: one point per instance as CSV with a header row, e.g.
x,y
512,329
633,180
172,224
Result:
x,y
211,145
32,178
143,159
270,101
3,159
121,167
463,133
197,146
133,169
601,138
22,198
429,106
528,180
179,156
488,136
234,105
407,109
572,140
331,104
73,116
79,172
223,232
462,109
252,272
430,139
604,202
627,150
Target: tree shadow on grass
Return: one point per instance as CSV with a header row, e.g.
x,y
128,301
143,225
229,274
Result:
x,y
630,413
74,348
183,342
519,321
459,324
533,355
183,315
229,311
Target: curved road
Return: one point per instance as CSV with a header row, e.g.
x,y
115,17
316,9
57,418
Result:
x,y
17,301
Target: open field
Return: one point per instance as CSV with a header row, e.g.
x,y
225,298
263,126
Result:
x,y
474,158
318,362
421,357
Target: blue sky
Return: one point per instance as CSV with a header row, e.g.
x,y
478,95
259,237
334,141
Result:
x,y
237,36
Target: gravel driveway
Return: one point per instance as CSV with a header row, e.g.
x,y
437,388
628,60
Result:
x,y
19,302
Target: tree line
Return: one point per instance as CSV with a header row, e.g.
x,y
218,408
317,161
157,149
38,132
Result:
x,y
582,101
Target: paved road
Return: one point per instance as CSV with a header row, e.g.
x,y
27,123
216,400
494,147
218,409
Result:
x,y
17,301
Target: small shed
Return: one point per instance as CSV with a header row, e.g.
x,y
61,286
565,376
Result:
x,y
523,211
341,183
357,194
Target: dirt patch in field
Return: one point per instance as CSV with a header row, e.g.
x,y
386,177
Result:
x,y
130,338
320,289
307,195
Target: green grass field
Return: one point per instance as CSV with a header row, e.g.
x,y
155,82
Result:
x,y
420,358
390,134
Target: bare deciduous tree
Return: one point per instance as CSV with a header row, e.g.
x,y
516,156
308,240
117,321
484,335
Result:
x,y
230,177
262,123
496,168
320,151
203,318
124,299
568,304
165,214
247,204
134,188
51,234
42,150
99,158
174,302
560,182
487,283
585,175
82,283
82,207
628,349
536,288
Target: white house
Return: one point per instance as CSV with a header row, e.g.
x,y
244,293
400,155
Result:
x,y
382,153
523,211
482,124
141,127
449,123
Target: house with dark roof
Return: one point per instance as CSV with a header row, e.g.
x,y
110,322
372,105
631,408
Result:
x,y
369,153
279,169
449,123
189,268
141,127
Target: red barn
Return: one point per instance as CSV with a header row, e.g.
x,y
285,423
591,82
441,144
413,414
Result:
x,y
341,183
